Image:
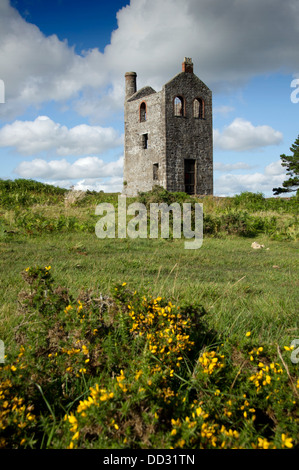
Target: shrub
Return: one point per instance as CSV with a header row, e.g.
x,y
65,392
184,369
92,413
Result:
x,y
158,194
250,201
135,371
25,193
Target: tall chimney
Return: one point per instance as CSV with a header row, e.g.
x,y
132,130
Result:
x,y
130,84
187,65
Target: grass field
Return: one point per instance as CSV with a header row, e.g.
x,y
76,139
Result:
x,y
122,343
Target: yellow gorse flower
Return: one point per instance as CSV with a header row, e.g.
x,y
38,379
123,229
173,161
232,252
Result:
x,y
286,441
164,328
120,379
210,361
68,308
288,348
138,374
264,376
263,443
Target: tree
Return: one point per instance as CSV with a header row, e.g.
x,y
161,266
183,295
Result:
x,y
291,162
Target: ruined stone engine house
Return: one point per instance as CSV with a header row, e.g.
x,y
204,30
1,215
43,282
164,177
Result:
x,y
168,135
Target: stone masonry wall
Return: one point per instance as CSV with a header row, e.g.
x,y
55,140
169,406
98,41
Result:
x,y
189,137
171,139
138,168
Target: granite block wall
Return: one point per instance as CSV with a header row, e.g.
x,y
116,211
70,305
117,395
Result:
x,y
159,138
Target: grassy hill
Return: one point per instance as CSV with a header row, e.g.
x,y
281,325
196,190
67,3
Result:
x,y
139,343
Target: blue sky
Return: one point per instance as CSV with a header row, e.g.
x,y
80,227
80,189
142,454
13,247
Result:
x,y
63,66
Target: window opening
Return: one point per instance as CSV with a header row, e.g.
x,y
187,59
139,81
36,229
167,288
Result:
x,y
145,141
178,106
143,112
198,108
155,171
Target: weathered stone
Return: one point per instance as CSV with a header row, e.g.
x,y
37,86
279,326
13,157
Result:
x,y
169,141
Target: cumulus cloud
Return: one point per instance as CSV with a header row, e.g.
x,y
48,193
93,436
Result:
x,y
230,42
231,184
94,174
37,69
43,134
275,169
218,166
223,110
108,185
113,185
55,170
242,135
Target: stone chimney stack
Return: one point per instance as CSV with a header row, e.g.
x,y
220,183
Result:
x,y
130,84
187,65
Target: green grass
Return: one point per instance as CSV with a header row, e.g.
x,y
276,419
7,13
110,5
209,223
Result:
x,y
240,287
224,290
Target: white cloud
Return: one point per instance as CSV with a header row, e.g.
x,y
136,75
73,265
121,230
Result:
x,y
223,110
88,167
275,169
230,42
93,174
36,68
218,166
242,135
113,185
108,185
229,185
43,134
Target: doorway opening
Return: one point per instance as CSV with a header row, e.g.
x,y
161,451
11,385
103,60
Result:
x,y
189,172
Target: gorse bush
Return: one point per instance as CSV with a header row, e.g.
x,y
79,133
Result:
x,y
230,222
29,186
131,370
25,193
35,223
242,223
161,195
235,217
257,202
246,215
248,200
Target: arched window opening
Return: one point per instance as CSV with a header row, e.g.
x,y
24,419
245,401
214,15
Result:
x,y
198,108
143,112
178,106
